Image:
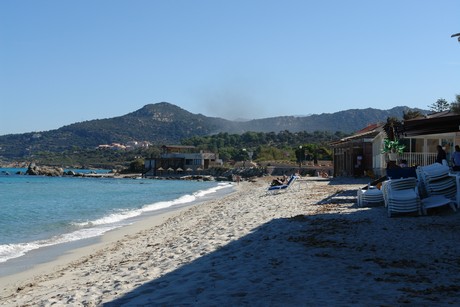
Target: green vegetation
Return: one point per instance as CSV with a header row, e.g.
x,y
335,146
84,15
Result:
x,y
439,106
455,106
91,158
289,138
393,146
256,146
299,146
164,123
443,105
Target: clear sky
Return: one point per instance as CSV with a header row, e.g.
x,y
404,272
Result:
x,y
63,62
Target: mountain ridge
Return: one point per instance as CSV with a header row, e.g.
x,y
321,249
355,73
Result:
x,y
166,123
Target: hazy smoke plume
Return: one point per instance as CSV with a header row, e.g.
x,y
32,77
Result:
x,y
234,102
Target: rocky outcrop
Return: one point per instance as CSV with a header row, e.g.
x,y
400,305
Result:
x,y
44,170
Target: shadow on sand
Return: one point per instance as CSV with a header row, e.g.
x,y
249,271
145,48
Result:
x,y
323,259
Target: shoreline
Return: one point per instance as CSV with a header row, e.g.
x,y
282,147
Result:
x,y
43,258
83,249
308,245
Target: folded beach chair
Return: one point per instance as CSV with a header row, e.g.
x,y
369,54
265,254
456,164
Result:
x,y
370,196
437,187
401,196
278,188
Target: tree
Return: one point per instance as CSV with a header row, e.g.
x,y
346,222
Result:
x,y
439,106
300,154
392,128
411,114
311,150
137,166
455,106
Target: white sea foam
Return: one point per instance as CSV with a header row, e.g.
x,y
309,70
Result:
x,y
10,251
90,229
110,219
220,186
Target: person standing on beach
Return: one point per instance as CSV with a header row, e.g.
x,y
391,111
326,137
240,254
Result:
x,y
456,158
441,154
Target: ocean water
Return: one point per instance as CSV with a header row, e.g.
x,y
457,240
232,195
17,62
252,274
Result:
x,y
38,211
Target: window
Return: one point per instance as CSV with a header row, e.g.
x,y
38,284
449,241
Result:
x,y
416,145
431,145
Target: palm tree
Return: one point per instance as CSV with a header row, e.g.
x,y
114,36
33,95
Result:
x,y
392,128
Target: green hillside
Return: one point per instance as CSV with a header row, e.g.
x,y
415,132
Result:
x,y
165,123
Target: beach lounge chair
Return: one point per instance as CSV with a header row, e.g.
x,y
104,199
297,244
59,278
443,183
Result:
x,y
401,196
437,188
370,196
284,187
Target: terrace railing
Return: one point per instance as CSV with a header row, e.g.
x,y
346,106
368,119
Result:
x,y
418,158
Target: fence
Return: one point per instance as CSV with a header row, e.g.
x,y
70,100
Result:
x,y
418,158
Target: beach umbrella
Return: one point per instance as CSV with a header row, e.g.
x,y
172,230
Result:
x,y
160,169
188,170
179,169
170,169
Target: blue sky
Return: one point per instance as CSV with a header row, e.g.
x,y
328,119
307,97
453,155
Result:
x,y
69,61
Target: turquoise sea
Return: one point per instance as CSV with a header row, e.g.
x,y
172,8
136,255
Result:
x,y
38,211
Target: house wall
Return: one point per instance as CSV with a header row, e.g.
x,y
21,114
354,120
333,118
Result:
x,y
378,159
367,156
352,158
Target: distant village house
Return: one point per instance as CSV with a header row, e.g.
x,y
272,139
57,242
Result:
x,y
128,146
177,159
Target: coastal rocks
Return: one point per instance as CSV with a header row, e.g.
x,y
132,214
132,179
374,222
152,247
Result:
x,y
35,170
245,172
71,173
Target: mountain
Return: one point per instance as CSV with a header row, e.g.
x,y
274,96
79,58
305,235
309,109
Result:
x,y
344,121
165,123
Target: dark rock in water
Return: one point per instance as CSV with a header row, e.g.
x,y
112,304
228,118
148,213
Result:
x,y
71,173
35,170
32,170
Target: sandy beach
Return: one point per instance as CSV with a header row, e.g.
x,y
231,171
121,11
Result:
x,y
310,245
